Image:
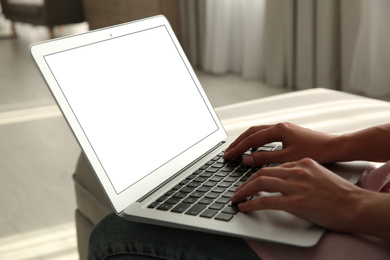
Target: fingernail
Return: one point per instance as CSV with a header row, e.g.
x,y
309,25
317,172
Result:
x,y
248,160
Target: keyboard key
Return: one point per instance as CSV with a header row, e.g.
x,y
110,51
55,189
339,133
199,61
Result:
x,y
172,201
184,182
216,178
165,207
209,162
194,184
232,188
224,217
197,172
197,194
177,187
222,174
236,174
212,195
218,165
162,198
216,158
192,176
196,209
190,200
209,213
204,167
179,195
210,183
224,184
223,200
205,201
228,168
230,179
216,206
212,170
230,210
187,190
228,194
153,205
200,179
238,183
203,189
206,174
218,189
169,193
181,208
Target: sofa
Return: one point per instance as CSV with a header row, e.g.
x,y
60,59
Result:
x,y
48,13
324,110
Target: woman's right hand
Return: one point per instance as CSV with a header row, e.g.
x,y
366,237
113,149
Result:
x,y
298,143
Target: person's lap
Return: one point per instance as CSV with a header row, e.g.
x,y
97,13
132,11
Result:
x,y
116,238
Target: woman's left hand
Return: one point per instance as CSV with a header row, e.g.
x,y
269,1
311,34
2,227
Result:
x,y
308,190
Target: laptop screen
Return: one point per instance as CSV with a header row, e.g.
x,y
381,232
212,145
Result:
x,y
133,96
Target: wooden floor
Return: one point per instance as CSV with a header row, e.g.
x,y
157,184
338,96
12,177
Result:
x,y
37,157
38,152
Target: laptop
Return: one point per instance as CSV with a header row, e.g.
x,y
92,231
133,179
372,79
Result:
x,y
152,137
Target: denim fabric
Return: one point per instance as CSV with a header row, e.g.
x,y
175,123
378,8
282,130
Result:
x,y
116,238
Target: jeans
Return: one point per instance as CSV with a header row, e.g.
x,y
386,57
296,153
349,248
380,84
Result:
x,y
115,238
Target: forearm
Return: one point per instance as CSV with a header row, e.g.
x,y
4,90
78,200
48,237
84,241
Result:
x,y
371,144
373,215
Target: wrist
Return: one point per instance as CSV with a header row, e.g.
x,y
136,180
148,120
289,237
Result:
x,y
338,149
345,148
371,214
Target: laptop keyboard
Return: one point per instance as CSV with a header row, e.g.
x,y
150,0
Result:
x,y
207,191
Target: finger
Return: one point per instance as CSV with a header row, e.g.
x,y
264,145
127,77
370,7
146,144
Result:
x,y
244,142
247,133
275,172
289,164
263,183
269,202
265,157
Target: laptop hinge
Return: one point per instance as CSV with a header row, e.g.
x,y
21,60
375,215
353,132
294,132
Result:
x,y
180,172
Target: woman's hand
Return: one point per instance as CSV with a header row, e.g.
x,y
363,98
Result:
x,y
308,190
298,143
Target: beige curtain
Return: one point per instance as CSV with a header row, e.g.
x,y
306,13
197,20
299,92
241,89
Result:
x,y
370,71
192,25
234,36
336,44
302,43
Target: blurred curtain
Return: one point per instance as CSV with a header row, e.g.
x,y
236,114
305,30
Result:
x,y
223,36
296,44
337,44
192,25
370,73
234,35
302,43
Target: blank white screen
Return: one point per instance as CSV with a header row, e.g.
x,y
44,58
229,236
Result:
x,y
135,101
